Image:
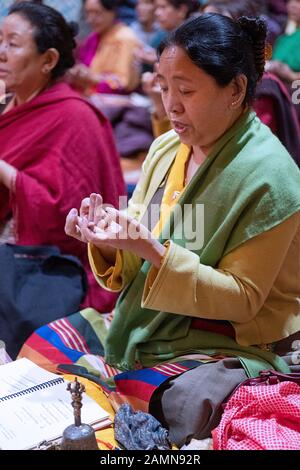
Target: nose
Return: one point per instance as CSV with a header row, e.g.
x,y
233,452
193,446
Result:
x,y
3,51
157,13
173,106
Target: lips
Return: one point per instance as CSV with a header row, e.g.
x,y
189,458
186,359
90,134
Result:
x,y
3,72
179,127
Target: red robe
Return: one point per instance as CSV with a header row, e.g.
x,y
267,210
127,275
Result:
x,y
64,150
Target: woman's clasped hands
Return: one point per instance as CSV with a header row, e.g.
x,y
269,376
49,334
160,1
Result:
x,y
110,229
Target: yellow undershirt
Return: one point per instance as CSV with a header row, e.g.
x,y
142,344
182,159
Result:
x,y
175,185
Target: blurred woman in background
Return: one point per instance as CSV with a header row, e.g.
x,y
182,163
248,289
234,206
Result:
x,y
106,58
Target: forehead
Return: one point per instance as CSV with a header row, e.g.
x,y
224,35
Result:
x,y
175,66
175,60
161,3
17,24
93,5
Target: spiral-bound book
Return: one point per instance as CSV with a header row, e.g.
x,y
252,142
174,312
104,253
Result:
x,y
35,406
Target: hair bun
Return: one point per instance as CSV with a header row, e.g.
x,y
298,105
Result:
x,y
254,26
74,28
256,30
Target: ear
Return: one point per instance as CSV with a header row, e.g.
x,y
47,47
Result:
x,y
50,60
238,91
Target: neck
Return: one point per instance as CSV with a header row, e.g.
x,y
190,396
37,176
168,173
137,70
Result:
x,y
28,95
234,118
196,159
108,28
148,26
198,155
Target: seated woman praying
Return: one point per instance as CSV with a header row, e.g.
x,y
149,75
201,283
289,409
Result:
x,y
55,147
106,58
209,283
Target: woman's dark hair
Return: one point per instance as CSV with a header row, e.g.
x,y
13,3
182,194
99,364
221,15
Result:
x,y
108,4
50,31
223,48
192,5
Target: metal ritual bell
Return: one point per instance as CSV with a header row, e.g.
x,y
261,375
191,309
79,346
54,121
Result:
x,y
78,436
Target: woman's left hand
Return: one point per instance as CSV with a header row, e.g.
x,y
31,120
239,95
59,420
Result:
x,y
81,75
123,232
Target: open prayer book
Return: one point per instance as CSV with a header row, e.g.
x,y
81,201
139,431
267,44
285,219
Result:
x,y
35,406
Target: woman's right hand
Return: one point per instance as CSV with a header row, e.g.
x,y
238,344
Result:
x,y
145,55
91,210
152,89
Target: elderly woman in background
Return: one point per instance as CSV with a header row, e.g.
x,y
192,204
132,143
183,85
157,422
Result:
x,y
54,145
204,299
106,58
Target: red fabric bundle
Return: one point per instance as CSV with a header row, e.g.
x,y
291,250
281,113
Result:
x,y
63,150
261,417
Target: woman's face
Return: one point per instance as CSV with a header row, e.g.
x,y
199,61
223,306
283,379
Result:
x,y
20,62
168,16
145,11
198,108
99,19
293,8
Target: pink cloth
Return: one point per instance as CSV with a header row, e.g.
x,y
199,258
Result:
x,y
261,417
64,150
88,49
87,52
264,108
264,105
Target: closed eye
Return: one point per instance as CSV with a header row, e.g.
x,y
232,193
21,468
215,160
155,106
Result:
x,y
186,92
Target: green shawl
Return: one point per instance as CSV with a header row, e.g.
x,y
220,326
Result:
x,y
248,184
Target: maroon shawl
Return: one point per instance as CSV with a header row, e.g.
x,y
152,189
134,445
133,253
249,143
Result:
x,y
63,150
